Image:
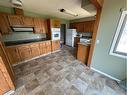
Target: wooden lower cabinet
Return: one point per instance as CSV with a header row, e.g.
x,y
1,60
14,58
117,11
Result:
x,y
42,48
13,54
76,41
55,45
83,53
48,46
25,52
6,83
35,50
20,53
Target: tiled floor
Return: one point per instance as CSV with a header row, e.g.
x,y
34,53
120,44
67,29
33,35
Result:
x,y
61,74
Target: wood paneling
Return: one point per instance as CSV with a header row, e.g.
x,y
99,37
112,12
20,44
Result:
x,y
6,83
83,53
4,24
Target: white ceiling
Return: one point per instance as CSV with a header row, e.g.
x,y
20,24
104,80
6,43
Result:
x,y
50,7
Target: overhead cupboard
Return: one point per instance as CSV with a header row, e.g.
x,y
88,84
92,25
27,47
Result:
x,y
8,20
85,26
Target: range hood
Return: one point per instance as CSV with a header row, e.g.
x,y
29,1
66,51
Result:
x,y
22,28
88,6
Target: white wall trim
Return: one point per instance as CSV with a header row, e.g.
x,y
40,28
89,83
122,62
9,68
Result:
x,y
10,92
109,76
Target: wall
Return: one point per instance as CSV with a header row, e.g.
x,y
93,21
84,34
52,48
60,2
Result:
x,y
101,60
28,35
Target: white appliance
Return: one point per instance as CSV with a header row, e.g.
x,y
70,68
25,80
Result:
x,y
55,33
70,34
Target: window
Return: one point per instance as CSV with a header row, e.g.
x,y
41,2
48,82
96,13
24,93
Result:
x,y
119,44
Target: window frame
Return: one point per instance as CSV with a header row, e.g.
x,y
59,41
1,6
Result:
x,y
117,37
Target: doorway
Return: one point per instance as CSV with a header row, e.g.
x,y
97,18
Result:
x,y
63,33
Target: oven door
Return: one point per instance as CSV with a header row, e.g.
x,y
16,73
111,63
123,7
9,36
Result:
x,y
56,35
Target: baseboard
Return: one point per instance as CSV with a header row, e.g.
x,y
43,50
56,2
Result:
x,y
107,75
9,92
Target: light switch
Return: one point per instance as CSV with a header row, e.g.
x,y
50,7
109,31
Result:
x,y
98,41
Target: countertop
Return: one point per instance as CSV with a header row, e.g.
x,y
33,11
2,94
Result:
x,y
85,44
23,42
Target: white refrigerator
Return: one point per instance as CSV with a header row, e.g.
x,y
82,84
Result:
x,y
70,34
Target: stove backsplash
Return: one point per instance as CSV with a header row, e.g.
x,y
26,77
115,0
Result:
x,y
86,34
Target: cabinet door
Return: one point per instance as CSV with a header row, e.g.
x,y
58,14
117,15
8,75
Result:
x,y
83,53
4,24
55,23
28,21
25,52
39,25
43,48
48,46
35,51
88,26
13,55
55,45
80,27
15,20
6,60
6,83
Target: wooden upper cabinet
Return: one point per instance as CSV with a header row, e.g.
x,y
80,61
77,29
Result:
x,y
13,54
40,25
55,23
4,24
15,20
27,21
86,26
80,27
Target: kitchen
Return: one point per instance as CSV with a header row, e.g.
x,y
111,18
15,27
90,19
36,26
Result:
x,y
41,54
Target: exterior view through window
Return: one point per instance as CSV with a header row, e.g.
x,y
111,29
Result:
x,y
119,44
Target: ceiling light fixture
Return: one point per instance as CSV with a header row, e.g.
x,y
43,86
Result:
x,y
17,3
68,12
